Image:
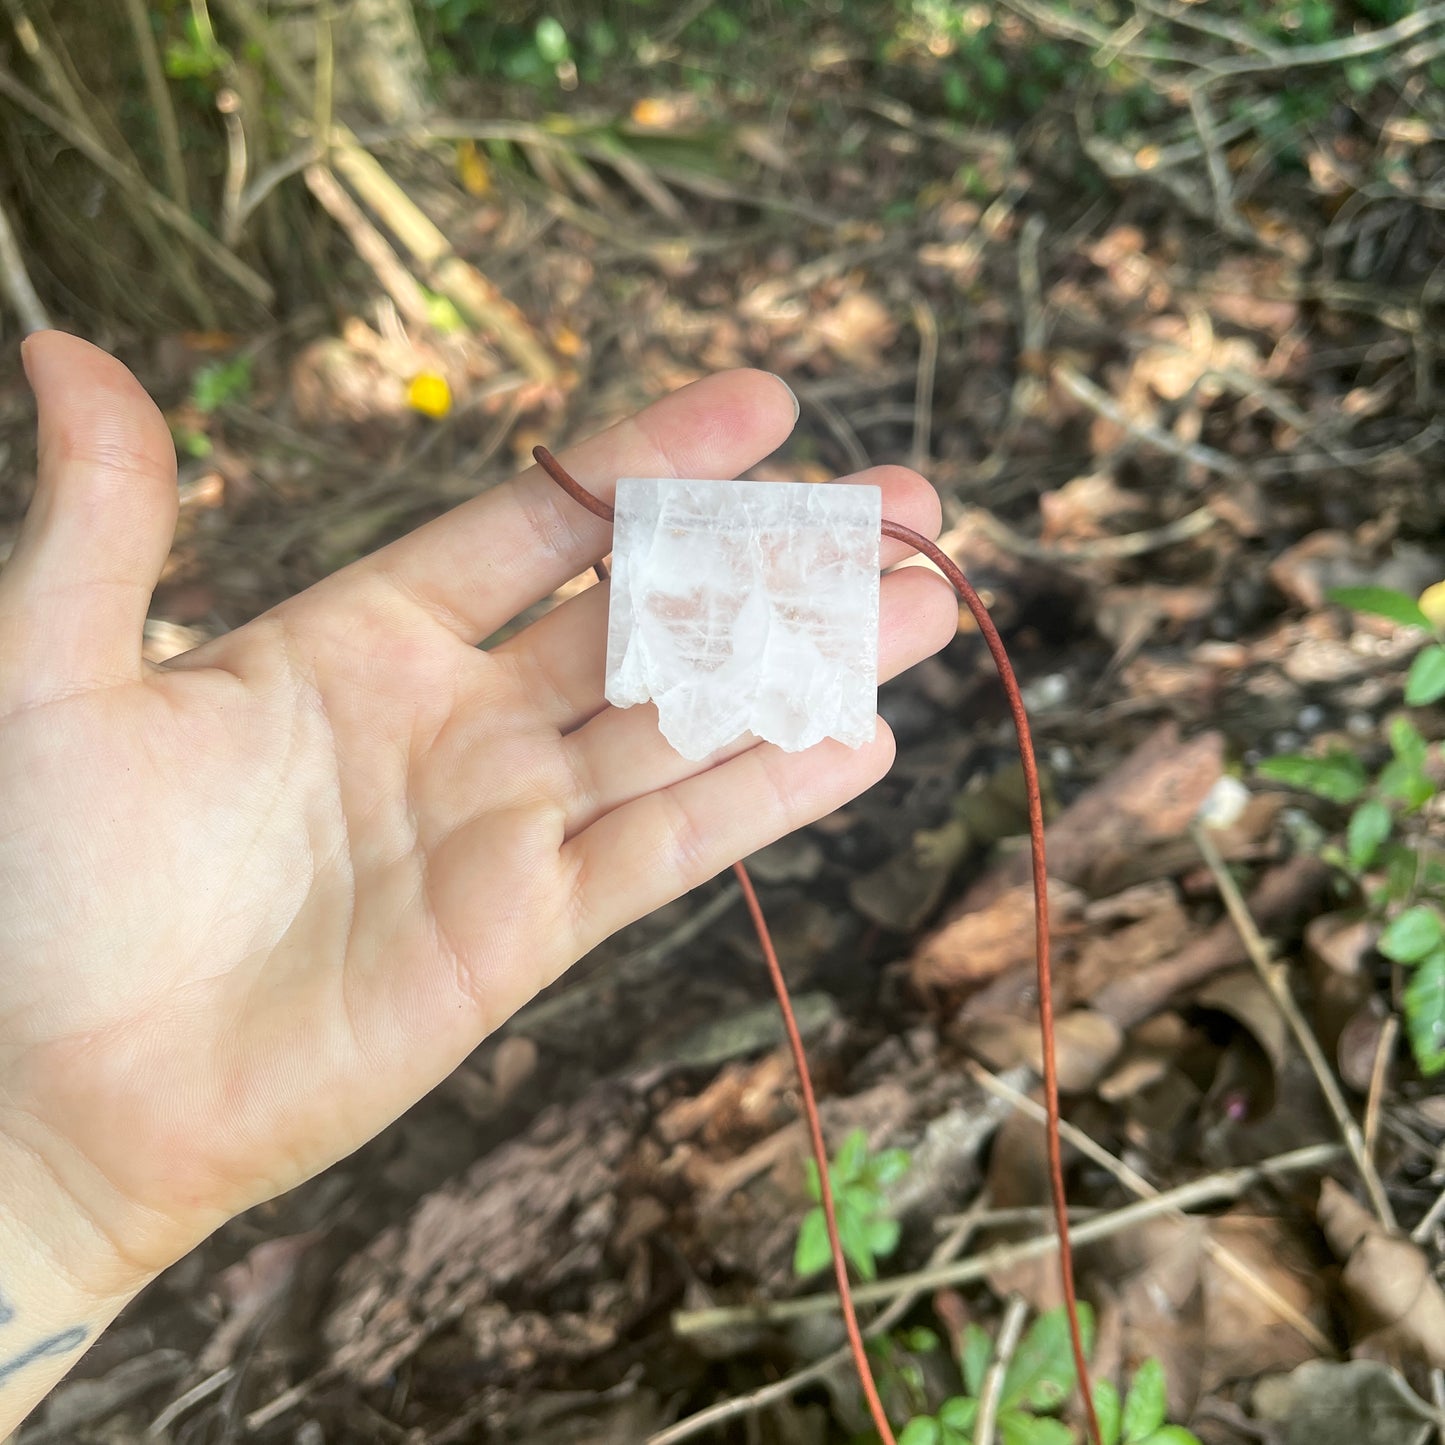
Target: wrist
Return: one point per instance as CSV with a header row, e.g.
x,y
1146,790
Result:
x,y
60,1215
62,1279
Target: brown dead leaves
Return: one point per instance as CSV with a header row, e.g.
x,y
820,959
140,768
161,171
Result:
x,y
1400,1306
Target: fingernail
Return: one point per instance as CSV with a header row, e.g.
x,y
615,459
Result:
x,y
792,395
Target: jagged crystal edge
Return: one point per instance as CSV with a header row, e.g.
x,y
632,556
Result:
x,y
746,608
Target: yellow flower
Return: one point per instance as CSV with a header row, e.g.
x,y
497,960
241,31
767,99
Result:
x,y
428,393
472,169
1432,604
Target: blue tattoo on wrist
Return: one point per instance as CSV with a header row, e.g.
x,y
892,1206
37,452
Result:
x,y
57,1344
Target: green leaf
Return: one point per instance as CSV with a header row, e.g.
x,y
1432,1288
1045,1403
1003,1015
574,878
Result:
x,y
958,1413
815,1190
551,41
883,1235
1381,602
812,1252
1173,1435
442,314
921,1340
974,1353
1015,1427
1147,1403
1106,1408
1426,680
1402,867
923,1430
853,1236
218,382
849,1161
1407,744
1405,781
1424,1001
888,1167
1370,825
1339,776
1041,1373
1413,934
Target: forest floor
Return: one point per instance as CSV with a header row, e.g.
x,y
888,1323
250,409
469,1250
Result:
x,y
1160,441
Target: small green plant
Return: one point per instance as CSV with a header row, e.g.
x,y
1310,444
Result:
x,y
195,54
1142,1418
1037,1383
1038,1380
1384,839
866,1231
219,382
1426,680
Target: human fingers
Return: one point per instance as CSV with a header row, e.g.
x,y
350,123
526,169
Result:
x,y
620,755
479,565
75,591
560,660
658,847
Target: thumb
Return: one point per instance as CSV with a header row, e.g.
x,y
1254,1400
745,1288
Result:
x,y
74,594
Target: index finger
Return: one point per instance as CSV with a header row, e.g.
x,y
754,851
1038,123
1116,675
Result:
x,y
480,564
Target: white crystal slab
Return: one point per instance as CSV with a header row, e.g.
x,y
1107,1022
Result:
x,y
746,607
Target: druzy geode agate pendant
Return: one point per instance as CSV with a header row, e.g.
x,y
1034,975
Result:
x,y
746,607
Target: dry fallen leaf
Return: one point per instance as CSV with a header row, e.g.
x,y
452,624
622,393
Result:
x,y
1388,1280
1085,1045
1184,1299
979,946
857,329
1331,1402
1150,798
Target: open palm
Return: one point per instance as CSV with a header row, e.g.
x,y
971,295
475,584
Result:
x,y
256,902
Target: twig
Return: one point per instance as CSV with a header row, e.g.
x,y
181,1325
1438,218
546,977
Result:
x,y
78,112
1033,334
1127,544
228,104
168,132
837,423
287,1400
961,1232
1212,1189
16,279
135,186
1214,162
1433,1216
1274,980
442,268
1384,1052
926,324
1009,1331
1326,53
1137,1184
369,244
325,78
1096,399
681,18
1185,14
178,1407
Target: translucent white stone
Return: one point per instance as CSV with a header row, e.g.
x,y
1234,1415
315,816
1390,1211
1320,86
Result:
x,y
746,607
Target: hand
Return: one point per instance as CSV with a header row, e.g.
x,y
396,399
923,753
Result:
x,y
256,902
